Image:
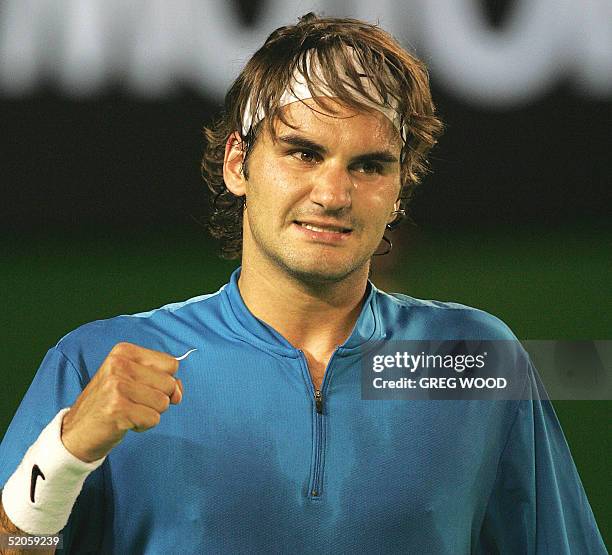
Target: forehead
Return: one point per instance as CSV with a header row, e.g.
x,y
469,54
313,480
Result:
x,y
330,121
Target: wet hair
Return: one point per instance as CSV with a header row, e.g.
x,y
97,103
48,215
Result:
x,y
398,78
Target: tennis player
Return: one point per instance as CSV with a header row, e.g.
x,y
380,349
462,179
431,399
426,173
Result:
x,y
255,437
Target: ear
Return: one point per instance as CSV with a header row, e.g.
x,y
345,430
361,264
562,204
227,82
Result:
x,y
393,215
232,165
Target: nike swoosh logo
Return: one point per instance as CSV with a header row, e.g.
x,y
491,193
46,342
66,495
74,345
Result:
x,y
183,357
36,472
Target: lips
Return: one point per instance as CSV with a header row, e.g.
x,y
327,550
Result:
x,y
323,227
323,233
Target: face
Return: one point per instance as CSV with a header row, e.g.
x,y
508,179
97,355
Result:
x,y
319,196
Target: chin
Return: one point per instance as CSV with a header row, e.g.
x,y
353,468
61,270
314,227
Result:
x,y
321,270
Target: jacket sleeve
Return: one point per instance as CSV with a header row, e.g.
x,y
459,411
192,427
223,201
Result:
x,y
56,385
538,504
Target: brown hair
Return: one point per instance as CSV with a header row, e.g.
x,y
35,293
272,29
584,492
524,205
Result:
x,y
397,76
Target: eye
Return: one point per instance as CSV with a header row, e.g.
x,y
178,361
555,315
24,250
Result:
x,y
369,168
306,156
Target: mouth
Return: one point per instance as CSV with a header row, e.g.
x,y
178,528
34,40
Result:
x,y
323,232
323,227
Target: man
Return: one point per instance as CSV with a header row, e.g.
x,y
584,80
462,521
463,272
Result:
x,y
271,447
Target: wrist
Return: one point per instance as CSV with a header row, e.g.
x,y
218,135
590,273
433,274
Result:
x,y
40,494
72,444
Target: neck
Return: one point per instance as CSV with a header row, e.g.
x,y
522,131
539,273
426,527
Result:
x,y
312,317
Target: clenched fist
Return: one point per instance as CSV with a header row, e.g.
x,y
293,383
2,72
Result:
x,y
130,391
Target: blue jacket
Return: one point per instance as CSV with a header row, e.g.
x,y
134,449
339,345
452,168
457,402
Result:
x,y
255,461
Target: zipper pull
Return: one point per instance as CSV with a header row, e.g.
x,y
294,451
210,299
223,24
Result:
x,y
319,401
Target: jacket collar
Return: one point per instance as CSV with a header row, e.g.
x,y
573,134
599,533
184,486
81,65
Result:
x,y
367,328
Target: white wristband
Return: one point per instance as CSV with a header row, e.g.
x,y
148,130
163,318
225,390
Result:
x,y
40,494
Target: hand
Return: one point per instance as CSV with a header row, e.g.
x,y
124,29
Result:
x,y
130,391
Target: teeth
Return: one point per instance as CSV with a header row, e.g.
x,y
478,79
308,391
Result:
x,y
315,228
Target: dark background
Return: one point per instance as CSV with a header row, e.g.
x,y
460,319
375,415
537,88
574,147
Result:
x,y
103,203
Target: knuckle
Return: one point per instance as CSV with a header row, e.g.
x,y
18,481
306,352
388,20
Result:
x,y
116,392
124,417
168,363
169,385
122,348
123,424
117,348
164,402
116,363
155,419
146,421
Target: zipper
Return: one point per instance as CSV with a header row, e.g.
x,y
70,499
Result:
x,y
314,491
319,401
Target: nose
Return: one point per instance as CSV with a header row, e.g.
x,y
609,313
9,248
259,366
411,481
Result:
x,y
332,186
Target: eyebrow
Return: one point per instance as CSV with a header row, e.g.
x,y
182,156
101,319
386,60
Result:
x,y
299,141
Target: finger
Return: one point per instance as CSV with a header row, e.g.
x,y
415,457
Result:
x,y
146,357
142,418
146,396
151,377
177,395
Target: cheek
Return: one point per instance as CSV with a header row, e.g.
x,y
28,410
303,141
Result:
x,y
377,206
287,181
275,190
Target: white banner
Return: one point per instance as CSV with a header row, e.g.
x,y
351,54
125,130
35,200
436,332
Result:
x,y
148,47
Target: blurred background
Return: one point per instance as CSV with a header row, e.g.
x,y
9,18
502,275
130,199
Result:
x,y
102,103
